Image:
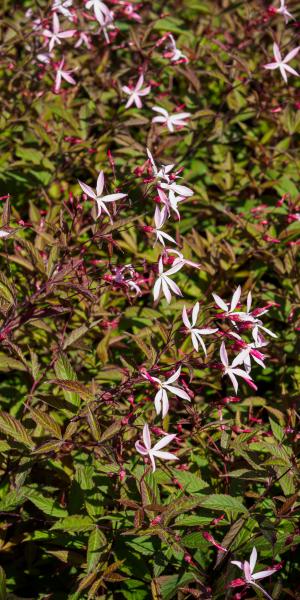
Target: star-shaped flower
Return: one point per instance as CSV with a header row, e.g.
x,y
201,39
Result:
x,y
194,332
101,200
136,92
155,452
171,121
56,35
250,577
232,371
164,282
161,400
281,63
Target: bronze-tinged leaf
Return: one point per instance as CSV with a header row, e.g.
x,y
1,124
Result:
x,y
14,428
87,581
50,446
48,423
74,387
287,505
3,593
111,431
93,423
97,542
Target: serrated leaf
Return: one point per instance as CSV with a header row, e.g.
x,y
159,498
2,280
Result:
x,y
74,523
97,541
47,422
223,502
64,371
12,427
49,506
74,387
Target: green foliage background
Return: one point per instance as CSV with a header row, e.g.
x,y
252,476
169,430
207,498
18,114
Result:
x,y
81,516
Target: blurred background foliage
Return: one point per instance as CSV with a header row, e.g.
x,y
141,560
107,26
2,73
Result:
x,y
81,516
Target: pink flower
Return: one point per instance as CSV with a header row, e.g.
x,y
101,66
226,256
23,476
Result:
x,y
155,452
56,35
281,63
135,93
101,200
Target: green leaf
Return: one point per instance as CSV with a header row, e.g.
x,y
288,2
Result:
x,y
64,371
12,427
49,506
74,523
224,503
74,387
97,541
48,423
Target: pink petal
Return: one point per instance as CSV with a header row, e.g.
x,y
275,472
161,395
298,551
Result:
x,y
87,190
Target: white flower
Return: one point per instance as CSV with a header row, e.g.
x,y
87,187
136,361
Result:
x,y
248,352
248,568
228,310
163,172
166,284
161,400
171,121
62,6
136,93
173,52
101,11
62,74
194,332
170,202
284,11
5,234
180,261
281,63
56,35
159,219
155,452
232,371
101,200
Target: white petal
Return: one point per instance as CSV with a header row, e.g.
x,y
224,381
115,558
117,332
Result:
x,y
185,318
87,190
291,55
164,441
220,303
146,437
157,401
195,341
178,392
165,404
235,298
224,355
156,288
195,313
165,455
277,53
175,376
113,197
262,574
166,290
253,559
100,183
